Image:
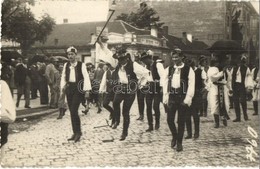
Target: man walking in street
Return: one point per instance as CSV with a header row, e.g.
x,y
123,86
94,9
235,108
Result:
x,y
240,86
125,75
76,84
178,91
153,94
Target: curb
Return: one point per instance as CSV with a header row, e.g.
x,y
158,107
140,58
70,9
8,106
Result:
x,y
46,112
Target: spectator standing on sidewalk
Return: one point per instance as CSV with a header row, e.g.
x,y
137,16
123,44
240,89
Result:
x,y
23,82
8,115
49,74
43,85
75,83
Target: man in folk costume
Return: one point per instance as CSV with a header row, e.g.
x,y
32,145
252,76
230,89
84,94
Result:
x,y
178,91
106,87
256,81
125,76
218,97
196,104
241,85
153,94
76,84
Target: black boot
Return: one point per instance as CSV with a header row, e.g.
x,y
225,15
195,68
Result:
x,y
216,118
255,103
62,112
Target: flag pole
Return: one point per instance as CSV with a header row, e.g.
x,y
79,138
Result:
x,y
105,25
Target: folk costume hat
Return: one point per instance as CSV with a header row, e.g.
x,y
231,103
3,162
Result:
x,y
120,53
177,50
145,55
72,49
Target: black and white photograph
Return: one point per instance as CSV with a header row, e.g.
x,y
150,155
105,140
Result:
x,y
130,83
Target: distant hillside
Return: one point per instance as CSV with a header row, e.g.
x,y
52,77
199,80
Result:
x,y
199,18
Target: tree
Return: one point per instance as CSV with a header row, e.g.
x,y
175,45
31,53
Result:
x,y
143,18
20,25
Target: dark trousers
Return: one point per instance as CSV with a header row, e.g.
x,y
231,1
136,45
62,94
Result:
x,y
43,88
255,104
175,104
108,97
153,100
24,89
34,89
194,112
140,101
239,96
128,100
74,98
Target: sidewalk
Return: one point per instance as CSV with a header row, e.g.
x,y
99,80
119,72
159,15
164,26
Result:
x,y
36,108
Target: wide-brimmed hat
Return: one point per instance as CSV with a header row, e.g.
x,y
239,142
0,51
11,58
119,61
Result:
x,y
145,55
120,53
176,50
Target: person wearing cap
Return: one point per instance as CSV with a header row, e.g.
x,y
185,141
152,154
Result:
x,y
76,84
240,85
178,91
125,78
49,74
153,95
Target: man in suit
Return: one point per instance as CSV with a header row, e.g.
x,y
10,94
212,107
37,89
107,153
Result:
x,y
240,86
49,74
76,84
22,81
178,91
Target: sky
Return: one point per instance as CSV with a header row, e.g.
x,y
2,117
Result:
x,y
75,11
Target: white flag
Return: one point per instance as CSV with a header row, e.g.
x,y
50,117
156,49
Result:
x,y
104,54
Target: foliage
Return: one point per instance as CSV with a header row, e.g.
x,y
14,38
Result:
x,y
20,25
143,18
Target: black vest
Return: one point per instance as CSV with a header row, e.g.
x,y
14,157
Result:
x,y
154,71
183,80
129,68
255,73
109,81
78,75
243,70
198,80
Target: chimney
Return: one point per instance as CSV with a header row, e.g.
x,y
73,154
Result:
x,y
154,31
189,37
65,20
184,37
165,30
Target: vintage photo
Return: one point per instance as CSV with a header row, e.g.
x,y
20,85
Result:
x,y
129,83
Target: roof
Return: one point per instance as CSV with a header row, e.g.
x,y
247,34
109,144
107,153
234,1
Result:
x,y
195,47
80,34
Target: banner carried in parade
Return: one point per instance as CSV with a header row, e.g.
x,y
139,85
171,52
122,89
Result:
x,y
104,54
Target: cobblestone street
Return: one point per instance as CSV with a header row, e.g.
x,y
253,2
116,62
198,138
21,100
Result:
x,y
45,144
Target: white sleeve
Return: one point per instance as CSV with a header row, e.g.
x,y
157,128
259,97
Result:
x,y
63,80
165,80
191,88
216,75
103,83
249,80
8,112
140,71
160,69
87,84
